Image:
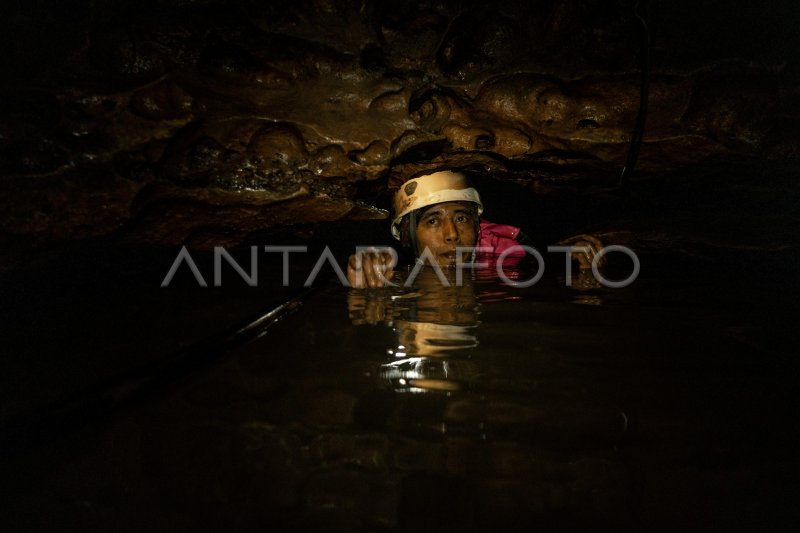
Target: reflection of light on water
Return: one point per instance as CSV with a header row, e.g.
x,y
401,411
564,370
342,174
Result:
x,y
587,299
426,338
406,295
435,326
426,374
582,283
498,296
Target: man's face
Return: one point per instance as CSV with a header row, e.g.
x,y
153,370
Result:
x,y
443,227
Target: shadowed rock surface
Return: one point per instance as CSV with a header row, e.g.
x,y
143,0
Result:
x,y
164,119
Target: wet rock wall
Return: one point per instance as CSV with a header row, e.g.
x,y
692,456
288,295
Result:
x,y
204,122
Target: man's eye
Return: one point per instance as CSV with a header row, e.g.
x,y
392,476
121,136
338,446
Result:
x,y
461,218
432,221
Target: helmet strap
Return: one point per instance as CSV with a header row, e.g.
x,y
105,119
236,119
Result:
x,y
477,237
412,232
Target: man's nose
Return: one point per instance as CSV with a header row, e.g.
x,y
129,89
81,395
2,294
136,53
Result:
x,y
450,231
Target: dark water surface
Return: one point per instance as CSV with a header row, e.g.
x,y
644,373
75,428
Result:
x,y
667,404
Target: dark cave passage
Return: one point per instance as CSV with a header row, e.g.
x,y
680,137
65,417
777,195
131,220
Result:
x,y
131,130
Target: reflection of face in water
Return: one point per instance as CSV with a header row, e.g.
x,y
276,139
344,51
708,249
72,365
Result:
x,y
435,326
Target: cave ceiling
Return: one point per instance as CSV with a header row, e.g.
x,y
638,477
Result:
x,y
172,120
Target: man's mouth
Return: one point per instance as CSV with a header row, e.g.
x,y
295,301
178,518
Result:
x,y
449,256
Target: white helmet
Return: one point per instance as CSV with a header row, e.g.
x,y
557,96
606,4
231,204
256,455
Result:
x,y
422,191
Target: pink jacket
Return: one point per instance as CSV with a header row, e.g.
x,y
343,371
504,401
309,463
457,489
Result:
x,y
498,237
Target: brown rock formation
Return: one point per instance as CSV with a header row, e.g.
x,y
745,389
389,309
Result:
x,y
168,119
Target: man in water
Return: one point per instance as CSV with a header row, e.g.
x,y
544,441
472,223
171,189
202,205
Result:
x,y
437,217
